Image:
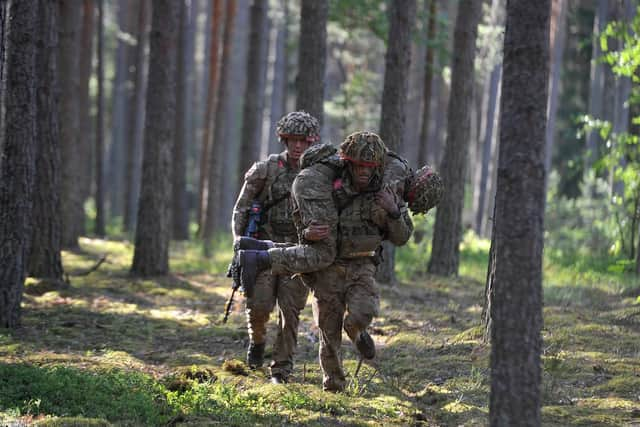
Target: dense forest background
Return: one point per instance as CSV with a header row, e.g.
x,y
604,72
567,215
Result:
x,y
126,127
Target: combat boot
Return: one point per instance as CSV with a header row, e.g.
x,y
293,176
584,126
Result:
x,y
255,355
245,242
365,345
251,263
278,379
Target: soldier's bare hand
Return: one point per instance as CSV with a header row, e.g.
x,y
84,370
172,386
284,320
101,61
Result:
x,y
316,231
387,200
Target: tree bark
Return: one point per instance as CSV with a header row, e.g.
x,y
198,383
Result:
x,y
217,151
180,210
136,122
596,85
312,53
212,89
99,150
44,257
445,254
280,76
516,307
86,56
394,99
151,254
558,35
119,112
423,144
253,98
68,65
17,176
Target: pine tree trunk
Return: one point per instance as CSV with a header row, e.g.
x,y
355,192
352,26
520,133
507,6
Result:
x,y
68,65
394,99
119,114
133,154
17,176
44,257
86,57
212,89
151,254
516,306
558,35
596,85
253,98
445,254
99,150
424,145
217,149
180,210
312,53
279,91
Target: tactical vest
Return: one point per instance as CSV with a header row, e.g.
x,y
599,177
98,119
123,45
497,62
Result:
x,y
276,220
358,235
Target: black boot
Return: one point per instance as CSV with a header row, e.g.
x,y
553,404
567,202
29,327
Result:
x,y
251,263
366,346
255,355
245,242
278,379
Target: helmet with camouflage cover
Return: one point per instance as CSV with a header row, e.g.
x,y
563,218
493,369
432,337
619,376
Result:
x,y
365,149
424,190
298,124
317,153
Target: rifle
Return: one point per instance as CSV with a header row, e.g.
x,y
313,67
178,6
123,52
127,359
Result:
x,y
233,271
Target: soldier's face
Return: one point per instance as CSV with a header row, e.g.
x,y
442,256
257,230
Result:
x,y
361,175
296,146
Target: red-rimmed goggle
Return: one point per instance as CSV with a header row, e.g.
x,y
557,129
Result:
x,y
293,137
360,163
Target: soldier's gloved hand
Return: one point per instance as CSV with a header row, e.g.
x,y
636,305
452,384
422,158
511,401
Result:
x,y
388,200
316,231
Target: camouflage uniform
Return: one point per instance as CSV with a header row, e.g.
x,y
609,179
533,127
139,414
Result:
x,y
358,227
270,183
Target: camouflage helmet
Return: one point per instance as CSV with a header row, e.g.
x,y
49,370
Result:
x,y
298,124
316,153
365,149
424,190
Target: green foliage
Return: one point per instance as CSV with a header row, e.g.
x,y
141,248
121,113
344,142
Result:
x,y
127,398
361,14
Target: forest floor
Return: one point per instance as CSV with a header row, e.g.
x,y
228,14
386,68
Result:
x,y
109,349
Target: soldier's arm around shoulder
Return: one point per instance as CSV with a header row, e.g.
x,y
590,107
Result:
x,y
254,181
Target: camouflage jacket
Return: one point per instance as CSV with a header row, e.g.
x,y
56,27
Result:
x,y
268,182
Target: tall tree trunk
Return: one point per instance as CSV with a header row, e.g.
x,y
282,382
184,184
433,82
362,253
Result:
x,y
597,79
234,108
119,114
488,140
99,150
68,63
17,176
516,308
558,35
423,144
180,210
212,88
151,254
445,254
86,55
394,98
44,257
312,54
3,40
136,122
279,91
253,99
218,147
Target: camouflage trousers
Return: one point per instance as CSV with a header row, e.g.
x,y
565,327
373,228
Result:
x,y
291,297
344,296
